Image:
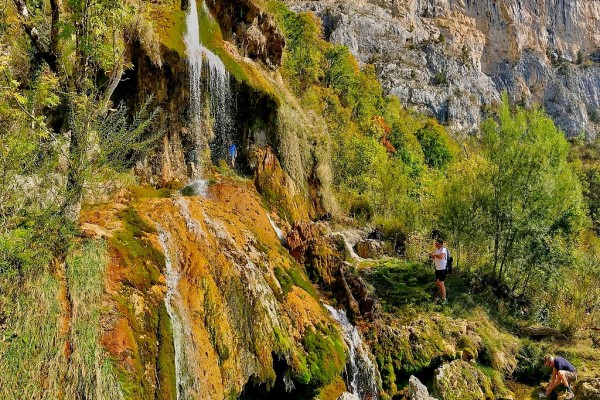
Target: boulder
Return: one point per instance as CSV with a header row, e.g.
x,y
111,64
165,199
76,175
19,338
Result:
x,y
418,391
541,332
370,248
461,380
588,390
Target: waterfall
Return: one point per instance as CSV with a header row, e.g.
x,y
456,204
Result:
x,y
186,383
221,103
361,374
278,231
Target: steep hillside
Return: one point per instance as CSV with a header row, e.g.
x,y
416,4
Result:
x,y
452,59
214,199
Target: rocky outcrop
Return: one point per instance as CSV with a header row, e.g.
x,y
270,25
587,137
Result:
x,y
203,299
276,185
452,59
588,390
461,380
370,248
251,29
418,391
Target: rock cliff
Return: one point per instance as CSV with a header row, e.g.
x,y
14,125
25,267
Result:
x,y
453,59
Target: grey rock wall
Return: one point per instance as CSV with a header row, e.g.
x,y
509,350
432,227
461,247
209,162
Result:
x,y
453,58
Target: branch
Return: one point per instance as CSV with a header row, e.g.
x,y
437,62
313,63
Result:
x,y
34,35
114,81
54,30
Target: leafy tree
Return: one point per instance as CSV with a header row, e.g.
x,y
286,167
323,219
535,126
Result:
x,y
342,74
303,59
592,194
81,45
436,151
463,209
523,198
533,184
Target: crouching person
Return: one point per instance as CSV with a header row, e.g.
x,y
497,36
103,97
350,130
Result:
x,y
563,373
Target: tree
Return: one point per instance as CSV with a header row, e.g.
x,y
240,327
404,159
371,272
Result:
x,y
82,44
431,137
517,204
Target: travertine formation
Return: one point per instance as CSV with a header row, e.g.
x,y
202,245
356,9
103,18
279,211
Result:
x,y
454,58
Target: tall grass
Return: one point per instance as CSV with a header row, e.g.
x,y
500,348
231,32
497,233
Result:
x,y
33,363
89,375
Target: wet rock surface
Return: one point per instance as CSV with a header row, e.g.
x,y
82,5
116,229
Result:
x,y
245,310
452,60
370,248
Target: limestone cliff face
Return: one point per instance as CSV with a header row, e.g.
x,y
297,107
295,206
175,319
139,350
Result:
x,y
453,58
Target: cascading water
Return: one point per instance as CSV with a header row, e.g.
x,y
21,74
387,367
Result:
x,y
221,102
278,231
186,383
361,374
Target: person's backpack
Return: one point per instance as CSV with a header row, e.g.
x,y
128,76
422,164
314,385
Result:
x,y
449,262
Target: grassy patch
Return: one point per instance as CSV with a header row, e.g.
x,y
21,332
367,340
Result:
x,y
166,357
32,357
399,283
85,276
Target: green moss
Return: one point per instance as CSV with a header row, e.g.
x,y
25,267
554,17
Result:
x,y
531,366
325,355
166,357
169,22
144,261
294,277
399,283
149,192
497,388
302,373
284,280
137,225
300,280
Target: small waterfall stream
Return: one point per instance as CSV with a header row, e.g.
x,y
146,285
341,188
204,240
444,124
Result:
x,y
221,100
361,374
278,231
186,382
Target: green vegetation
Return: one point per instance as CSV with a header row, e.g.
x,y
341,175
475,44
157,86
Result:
x,y
519,206
144,261
294,276
39,359
382,156
325,357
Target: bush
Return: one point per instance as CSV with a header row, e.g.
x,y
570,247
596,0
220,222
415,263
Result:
x,y
530,367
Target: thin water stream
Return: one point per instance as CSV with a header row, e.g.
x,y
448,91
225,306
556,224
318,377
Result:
x,y
186,382
361,373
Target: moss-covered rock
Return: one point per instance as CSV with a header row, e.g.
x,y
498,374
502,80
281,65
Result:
x,y
588,390
460,380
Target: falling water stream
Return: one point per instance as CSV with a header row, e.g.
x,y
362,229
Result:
x,y
202,60
278,231
361,374
186,383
